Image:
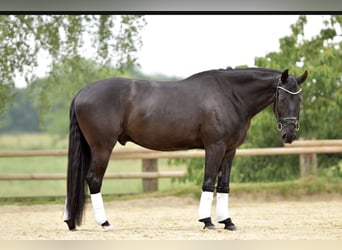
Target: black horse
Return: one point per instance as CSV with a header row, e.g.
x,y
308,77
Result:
x,y
210,110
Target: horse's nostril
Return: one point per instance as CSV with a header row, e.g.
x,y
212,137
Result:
x,y
284,136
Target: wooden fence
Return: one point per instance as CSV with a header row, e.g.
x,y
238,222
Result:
x,y
307,160
150,174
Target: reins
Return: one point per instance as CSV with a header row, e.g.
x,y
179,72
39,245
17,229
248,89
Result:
x,y
286,120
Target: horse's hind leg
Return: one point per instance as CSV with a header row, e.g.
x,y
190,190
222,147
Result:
x,y
222,192
99,160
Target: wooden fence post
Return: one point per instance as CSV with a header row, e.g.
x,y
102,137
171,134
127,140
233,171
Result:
x,y
150,184
307,162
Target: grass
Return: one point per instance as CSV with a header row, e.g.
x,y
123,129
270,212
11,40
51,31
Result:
x,y
288,190
295,189
32,142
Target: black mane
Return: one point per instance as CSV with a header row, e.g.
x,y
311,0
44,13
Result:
x,y
231,70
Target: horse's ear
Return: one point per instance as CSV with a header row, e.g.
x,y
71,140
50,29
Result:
x,y
302,78
284,75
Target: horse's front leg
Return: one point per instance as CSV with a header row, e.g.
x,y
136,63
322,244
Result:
x,y
222,192
214,154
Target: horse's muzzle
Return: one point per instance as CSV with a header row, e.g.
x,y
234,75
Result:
x,y
288,135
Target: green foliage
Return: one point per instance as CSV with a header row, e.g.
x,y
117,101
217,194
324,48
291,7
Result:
x,y
7,94
21,115
194,169
24,37
333,169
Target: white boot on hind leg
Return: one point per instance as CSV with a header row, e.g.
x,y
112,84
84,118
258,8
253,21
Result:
x,y
99,212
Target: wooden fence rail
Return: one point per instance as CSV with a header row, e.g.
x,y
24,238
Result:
x,y
132,175
307,149
141,153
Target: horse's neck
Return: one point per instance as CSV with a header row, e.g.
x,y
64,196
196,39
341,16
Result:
x,y
257,94
261,96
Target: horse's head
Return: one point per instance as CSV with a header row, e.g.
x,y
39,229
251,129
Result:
x,y
287,105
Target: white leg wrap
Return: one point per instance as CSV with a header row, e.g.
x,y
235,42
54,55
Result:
x,y
97,202
222,206
65,214
204,210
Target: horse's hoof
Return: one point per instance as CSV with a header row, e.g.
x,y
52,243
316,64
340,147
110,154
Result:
x,y
228,224
107,227
230,227
71,225
207,223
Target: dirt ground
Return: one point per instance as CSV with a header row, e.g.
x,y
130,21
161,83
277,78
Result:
x,y
174,218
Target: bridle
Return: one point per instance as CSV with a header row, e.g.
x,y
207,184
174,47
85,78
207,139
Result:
x,y
286,120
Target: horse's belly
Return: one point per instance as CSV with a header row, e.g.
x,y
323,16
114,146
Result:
x,y
162,136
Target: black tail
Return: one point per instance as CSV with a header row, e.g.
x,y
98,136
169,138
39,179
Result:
x,y
78,165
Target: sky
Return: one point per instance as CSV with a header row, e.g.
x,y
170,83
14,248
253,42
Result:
x,y
182,45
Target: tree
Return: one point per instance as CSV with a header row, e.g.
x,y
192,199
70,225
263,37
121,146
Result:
x,y
24,37
21,115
